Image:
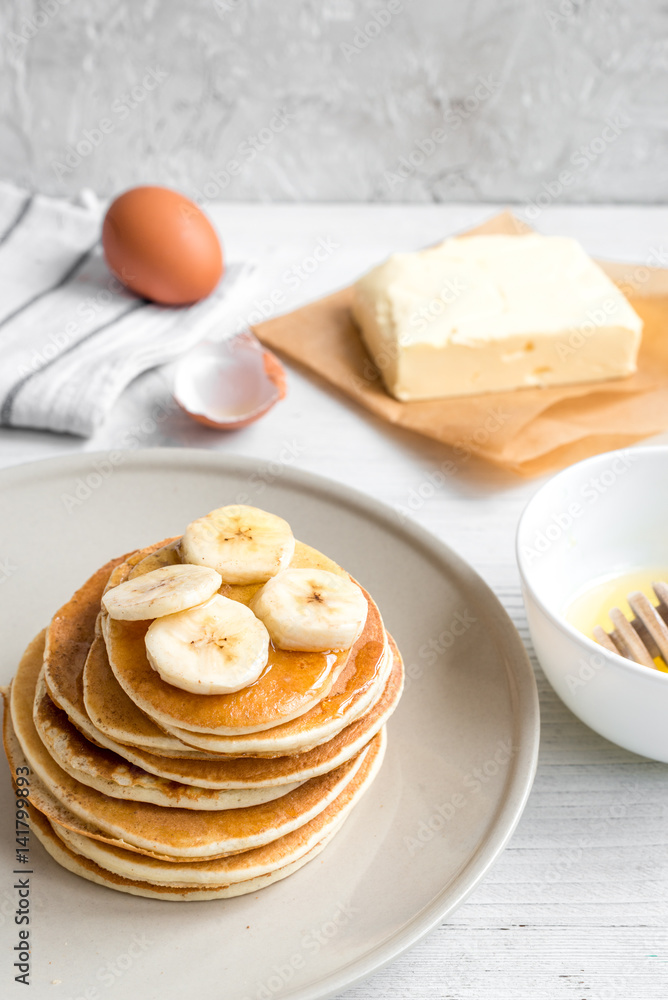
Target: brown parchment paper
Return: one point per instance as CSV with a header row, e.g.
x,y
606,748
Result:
x,y
529,431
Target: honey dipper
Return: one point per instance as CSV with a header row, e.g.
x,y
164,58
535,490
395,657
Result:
x,y
646,635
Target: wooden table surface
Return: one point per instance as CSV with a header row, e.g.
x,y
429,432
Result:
x,y
577,906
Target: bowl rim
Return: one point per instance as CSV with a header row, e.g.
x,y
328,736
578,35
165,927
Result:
x,y
560,622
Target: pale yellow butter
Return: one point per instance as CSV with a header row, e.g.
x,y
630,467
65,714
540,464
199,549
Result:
x,y
491,313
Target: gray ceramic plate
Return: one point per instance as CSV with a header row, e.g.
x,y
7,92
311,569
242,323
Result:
x,y
461,757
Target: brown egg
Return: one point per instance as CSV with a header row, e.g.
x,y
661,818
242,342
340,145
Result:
x,y
159,244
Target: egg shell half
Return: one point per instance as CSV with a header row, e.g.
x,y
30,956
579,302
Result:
x,y
162,246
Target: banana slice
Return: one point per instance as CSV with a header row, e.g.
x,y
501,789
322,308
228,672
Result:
x,y
311,610
245,544
214,648
163,591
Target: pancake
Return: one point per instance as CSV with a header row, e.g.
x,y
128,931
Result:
x,y
290,684
68,641
105,771
238,867
246,772
360,685
166,553
112,713
186,837
85,848
89,870
94,736
166,832
69,637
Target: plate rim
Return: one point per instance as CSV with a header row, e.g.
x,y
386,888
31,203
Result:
x,y
519,671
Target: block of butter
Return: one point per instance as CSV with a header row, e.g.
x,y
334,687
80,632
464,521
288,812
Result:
x,y
491,313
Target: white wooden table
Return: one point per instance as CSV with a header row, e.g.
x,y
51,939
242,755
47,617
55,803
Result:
x,y
577,906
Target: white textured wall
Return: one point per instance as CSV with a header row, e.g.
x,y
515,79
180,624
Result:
x,y
521,91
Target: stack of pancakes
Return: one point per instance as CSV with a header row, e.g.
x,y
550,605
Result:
x,y
153,790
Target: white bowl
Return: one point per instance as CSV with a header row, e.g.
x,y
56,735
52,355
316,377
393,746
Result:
x,y
605,515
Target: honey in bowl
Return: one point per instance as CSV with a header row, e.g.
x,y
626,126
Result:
x,y
591,605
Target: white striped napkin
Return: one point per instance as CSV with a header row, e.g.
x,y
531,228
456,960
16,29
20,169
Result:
x,y
71,336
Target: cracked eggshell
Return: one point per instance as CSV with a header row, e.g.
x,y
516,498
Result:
x,y
229,384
